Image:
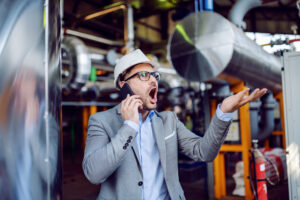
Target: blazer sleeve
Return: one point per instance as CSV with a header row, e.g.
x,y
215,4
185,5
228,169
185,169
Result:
x,y
103,154
202,148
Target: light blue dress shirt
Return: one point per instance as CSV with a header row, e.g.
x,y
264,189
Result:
x,y
154,186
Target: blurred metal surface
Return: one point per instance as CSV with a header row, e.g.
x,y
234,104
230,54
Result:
x,y
205,45
30,156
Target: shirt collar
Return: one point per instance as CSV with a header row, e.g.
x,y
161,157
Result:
x,y
149,117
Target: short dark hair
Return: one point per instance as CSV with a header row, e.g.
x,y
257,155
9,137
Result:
x,y
122,75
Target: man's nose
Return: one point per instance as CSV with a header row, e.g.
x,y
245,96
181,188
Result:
x,y
152,80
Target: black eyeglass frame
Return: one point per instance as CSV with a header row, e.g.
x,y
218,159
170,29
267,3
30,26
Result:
x,y
154,74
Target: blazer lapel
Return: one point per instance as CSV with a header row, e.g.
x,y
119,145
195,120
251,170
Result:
x,y
158,128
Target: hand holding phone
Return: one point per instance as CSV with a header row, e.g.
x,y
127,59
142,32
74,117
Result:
x,y
130,107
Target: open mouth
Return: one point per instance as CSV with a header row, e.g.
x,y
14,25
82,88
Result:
x,y
153,95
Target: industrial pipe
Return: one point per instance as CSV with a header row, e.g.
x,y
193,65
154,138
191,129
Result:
x,y
77,60
128,22
206,47
241,7
207,5
92,37
76,63
267,117
281,42
266,121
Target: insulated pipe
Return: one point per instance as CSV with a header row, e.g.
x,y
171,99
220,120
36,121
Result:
x,y
77,70
206,47
77,60
92,37
241,7
130,27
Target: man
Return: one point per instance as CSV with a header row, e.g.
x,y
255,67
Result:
x,y
132,149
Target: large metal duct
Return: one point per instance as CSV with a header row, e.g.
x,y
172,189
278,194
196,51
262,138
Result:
x,y
30,156
205,45
76,66
77,60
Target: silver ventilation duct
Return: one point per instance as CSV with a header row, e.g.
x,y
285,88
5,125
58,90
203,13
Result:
x,y
205,45
76,63
77,60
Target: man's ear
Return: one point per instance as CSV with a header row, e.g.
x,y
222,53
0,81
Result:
x,y
122,83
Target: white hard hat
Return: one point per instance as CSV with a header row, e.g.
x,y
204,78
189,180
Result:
x,y
129,60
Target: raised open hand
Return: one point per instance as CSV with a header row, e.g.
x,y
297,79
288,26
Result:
x,y
230,104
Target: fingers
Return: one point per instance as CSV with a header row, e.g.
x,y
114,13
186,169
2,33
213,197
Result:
x,y
130,106
243,92
137,104
129,99
257,93
232,103
130,102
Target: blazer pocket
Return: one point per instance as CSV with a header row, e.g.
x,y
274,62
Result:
x,y
170,136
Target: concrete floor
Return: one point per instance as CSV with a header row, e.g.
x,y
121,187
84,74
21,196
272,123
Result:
x,y
77,187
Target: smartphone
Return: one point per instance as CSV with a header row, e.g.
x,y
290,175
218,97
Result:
x,y
125,90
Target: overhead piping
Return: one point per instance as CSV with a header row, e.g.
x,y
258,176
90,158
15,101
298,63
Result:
x,y
207,5
92,37
281,42
240,8
128,22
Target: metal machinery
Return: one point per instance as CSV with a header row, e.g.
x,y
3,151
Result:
x,y
87,77
81,85
206,47
88,71
292,108
30,149
79,59
219,49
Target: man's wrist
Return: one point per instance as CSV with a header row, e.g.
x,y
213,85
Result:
x,y
222,115
132,124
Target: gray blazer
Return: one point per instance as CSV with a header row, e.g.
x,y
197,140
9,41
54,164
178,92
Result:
x,y
111,155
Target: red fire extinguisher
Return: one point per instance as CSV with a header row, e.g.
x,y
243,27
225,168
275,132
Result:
x,y
258,176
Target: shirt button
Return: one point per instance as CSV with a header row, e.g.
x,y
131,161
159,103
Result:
x,y
130,137
128,141
124,147
140,183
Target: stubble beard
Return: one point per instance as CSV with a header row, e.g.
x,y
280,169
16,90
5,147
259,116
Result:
x,y
149,108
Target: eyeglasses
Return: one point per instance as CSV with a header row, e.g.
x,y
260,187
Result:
x,y
145,76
